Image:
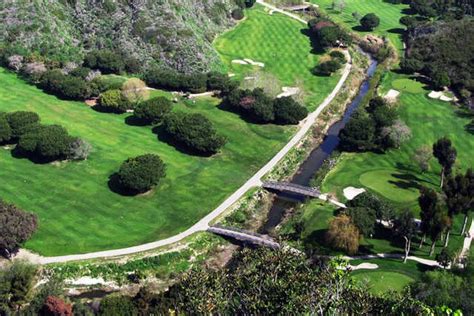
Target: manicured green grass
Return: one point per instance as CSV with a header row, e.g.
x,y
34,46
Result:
x,y
388,13
407,85
391,274
278,42
79,213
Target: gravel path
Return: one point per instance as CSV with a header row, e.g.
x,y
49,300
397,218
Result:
x,y
254,181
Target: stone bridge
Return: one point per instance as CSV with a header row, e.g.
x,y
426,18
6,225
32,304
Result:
x,y
244,236
292,187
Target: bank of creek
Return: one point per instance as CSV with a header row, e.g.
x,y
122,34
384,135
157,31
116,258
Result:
x,y
285,201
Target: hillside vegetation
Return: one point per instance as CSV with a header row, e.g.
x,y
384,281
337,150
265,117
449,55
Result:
x,y
175,34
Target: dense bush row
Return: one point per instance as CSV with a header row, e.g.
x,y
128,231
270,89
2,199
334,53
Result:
x,y
40,142
375,128
327,34
259,107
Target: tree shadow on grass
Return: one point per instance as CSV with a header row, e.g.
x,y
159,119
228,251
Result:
x,y
317,49
409,172
397,30
408,11
407,181
164,137
359,28
132,120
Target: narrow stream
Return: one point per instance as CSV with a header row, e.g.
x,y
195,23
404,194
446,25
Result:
x,y
283,201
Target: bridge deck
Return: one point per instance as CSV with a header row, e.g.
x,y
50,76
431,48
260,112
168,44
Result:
x,y
244,236
291,187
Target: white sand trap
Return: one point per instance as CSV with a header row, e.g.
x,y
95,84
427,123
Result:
x,y
351,192
249,78
231,75
365,266
87,281
271,12
239,61
288,92
445,98
435,94
254,63
392,95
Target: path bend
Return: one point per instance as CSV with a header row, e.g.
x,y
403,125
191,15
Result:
x,y
254,181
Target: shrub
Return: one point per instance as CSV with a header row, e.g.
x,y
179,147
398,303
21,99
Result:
x,y
117,305
70,87
141,173
288,111
327,68
54,306
20,121
153,111
168,79
343,234
237,14
16,227
81,72
5,129
338,55
383,210
252,103
370,21
78,149
358,134
134,91
221,82
48,142
106,61
114,101
194,131
249,3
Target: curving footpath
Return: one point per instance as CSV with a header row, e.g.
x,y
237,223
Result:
x,y
254,181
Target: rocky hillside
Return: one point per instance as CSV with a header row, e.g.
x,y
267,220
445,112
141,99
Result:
x,y
173,33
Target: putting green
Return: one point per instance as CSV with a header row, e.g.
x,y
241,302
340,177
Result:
x,y
392,184
383,281
408,85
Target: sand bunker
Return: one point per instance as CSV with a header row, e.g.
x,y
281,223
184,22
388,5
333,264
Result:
x,y
441,96
392,95
231,75
351,192
248,61
239,61
288,92
365,266
249,78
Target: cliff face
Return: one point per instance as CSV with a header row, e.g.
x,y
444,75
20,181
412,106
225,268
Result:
x,y
174,33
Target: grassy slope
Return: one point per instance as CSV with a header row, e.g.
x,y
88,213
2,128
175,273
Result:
x,y
278,42
78,212
388,13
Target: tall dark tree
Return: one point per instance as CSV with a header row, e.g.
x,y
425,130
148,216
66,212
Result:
x,y
370,21
446,154
16,227
459,193
406,228
364,218
358,134
438,224
428,200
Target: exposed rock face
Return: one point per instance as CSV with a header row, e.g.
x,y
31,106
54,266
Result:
x,y
174,33
371,43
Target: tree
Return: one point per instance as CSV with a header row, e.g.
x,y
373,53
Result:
x,y
20,121
445,257
358,134
78,149
49,142
383,210
396,134
422,157
428,201
446,155
406,227
195,131
288,111
106,61
140,174
237,14
5,129
135,91
364,219
439,222
16,283
326,68
153,110
331,35
117,305
439,287
114,101
343,234
440,79
459,193
338,55
16,227
357,16
408,21
369,21
54,306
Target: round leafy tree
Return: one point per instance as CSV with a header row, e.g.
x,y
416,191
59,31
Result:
x,y
48,142
114,101
288,111
153,111
370,21
195,131
327,68
5,129
140,174
20,121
